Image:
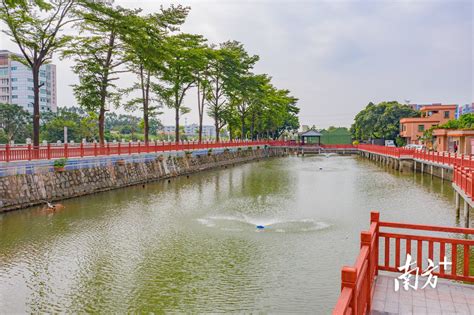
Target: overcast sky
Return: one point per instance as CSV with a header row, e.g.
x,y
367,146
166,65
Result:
x,y
335,56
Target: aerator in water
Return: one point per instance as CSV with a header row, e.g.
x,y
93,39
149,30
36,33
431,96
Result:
x,y
260,227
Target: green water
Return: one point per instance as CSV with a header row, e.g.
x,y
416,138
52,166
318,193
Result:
x,y
192,245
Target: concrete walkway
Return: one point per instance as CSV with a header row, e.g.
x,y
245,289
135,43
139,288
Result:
x,y
447,298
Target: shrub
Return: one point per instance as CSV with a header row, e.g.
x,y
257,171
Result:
x,y
249,148
60,163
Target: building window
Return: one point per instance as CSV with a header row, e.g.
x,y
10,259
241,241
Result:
x,y
14,68
446,114
31,97
14,96
421,128
30,80
14,79
14,88
4,71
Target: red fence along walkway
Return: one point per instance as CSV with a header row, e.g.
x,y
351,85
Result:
x,y
358,281
28,152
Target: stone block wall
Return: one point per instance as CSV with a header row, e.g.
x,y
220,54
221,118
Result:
x,y
20,191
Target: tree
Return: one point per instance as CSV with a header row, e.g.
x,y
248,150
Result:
x,y
178,74
238,82
99,58
202,75
381,121
35,27
14,121
146,56
79,123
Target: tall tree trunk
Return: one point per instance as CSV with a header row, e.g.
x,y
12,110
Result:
x,y
242,121
216,124
145,85
102,124
252,126
176,106
36,105
103,91
200,110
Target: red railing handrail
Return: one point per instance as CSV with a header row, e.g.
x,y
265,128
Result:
x,y
362,275
71,150
426,227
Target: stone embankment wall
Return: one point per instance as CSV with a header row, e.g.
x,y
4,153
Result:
x,y
20,191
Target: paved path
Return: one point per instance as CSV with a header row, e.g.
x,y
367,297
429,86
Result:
x,y
447,298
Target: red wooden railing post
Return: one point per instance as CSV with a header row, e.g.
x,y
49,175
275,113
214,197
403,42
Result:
x,y
119,148
349,277
95,149
7,152
82,149
366,240
375,218
48,151
29,152
129,148
66,155
108,148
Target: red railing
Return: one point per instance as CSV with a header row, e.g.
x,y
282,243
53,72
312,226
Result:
x,y
52,151
444,158
391,151
463,165
463,177
358,281
27,152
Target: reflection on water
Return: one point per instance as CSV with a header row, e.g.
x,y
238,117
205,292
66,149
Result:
x,y
192,245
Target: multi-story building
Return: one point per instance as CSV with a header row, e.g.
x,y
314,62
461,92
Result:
x,y
466,109
191,130
412,129
16,83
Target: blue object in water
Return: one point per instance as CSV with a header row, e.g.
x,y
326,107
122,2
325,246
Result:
x,y
260,227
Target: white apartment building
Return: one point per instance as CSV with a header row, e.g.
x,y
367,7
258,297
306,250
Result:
x,y
16,84
191,130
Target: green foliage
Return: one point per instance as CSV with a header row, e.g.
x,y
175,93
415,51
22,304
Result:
x,y
400,142
166,62
35,26
146,55
381,121
14,123
184,55
466,121
80,125
60,163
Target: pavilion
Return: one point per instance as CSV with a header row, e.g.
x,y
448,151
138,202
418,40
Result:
x,y
310,137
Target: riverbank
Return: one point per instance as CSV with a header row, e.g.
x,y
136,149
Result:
x,y
79,178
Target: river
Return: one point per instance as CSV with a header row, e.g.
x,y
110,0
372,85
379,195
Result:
x,y
191,245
